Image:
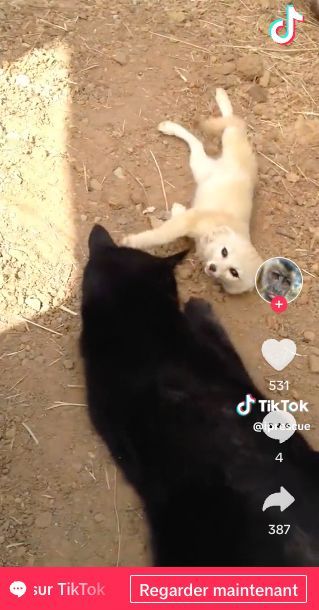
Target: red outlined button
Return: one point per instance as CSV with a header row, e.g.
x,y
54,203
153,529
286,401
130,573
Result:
x,y
218,589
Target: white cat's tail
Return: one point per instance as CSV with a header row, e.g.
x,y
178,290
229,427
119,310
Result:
x,y
223,102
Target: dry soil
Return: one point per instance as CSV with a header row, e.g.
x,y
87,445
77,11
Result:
x,y
83,85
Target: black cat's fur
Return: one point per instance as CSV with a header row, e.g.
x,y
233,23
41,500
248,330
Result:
x,y
163,384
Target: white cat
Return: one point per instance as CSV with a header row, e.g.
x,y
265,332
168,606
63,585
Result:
x,y
221,209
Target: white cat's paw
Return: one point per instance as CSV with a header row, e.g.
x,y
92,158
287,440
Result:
x,y
167,127
129,241
177,209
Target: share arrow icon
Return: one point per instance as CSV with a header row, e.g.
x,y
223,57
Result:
x,y
283,499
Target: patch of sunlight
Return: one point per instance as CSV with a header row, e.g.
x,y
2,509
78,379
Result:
x,y
36,228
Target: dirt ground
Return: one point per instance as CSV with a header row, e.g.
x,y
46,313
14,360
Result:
x,y
83,85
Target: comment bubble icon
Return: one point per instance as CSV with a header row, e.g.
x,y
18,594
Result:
x,y
18,588
279,425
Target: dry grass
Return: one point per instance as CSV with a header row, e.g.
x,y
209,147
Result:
x,y
161,179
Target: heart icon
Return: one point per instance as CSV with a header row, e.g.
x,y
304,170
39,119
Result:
x,y
279,353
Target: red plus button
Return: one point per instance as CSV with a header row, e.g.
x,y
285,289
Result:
x,y
279,304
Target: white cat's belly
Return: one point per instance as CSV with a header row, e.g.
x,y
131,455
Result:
x,y
229,194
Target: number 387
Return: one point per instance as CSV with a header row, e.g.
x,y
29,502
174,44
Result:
x,y
279,528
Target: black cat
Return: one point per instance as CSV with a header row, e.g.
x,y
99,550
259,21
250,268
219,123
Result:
x,y
163,385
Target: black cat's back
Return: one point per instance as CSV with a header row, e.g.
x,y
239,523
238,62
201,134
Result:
x,y
163,385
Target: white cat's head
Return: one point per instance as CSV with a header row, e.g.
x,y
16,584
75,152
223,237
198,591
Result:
x,y
231,259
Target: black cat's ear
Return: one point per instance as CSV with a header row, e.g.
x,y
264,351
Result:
x,y
99,239
176,259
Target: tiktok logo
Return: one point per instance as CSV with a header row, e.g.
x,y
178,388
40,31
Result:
x,y
292,16
244,408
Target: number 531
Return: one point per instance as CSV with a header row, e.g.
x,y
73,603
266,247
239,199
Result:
x,y
278,385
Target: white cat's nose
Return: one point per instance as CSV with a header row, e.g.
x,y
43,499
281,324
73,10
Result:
x,y
212,268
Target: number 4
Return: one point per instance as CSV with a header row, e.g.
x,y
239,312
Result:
x,y
279,457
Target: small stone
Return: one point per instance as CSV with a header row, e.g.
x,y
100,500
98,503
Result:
x,y
95,185
139,208
2,539
68,364
258,94
120,57
228,67
309,336
149,210
265,79
292,177
314,363
34,303
250,66
177,16
119,173
97,219
83,217
116,205
43,520
99,518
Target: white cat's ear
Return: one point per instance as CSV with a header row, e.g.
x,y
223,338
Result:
x,y
99,239
205,239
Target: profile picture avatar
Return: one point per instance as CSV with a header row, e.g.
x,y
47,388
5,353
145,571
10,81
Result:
x,y
279,277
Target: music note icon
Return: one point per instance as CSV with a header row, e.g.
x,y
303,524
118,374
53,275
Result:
x,y
289,24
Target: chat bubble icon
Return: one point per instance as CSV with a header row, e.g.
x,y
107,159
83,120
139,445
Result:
x,y
18,588
279,425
